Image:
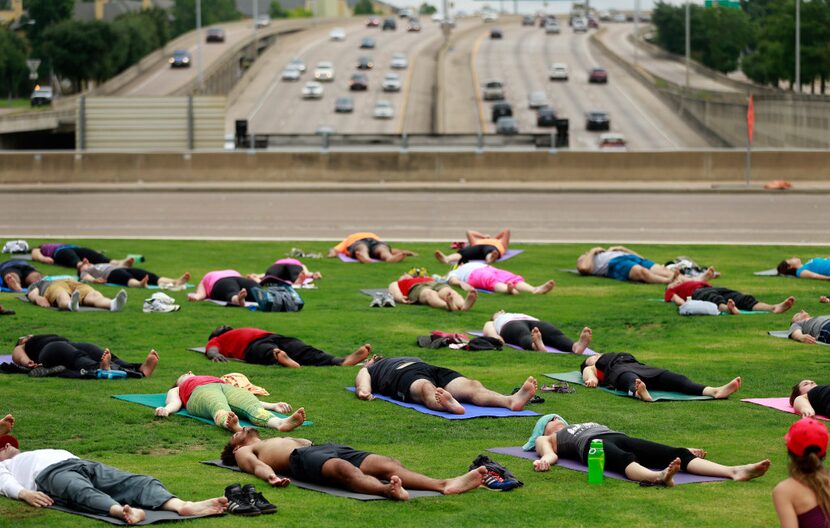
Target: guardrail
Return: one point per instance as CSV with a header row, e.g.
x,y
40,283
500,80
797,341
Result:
x,y
325,140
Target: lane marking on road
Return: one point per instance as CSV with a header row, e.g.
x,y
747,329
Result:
x,y
476,86
407,89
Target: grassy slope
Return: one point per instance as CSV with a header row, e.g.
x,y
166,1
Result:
x,y
80,416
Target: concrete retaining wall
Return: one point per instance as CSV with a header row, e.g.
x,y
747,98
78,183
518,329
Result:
x,y
492,166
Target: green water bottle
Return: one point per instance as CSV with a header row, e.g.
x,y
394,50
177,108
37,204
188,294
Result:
x,y
596,462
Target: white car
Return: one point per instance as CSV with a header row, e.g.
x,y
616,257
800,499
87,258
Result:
x,y
337,34
290,73
263,21
489,17
298,63
312,90
399,62
384,110
552,28
558,72
324,72
436,17
580,25
537,99
391,82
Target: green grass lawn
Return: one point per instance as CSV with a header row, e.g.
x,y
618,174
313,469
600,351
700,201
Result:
x,y
80,415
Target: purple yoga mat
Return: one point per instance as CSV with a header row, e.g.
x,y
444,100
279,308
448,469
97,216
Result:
x,y
681,478
779,404
473,411
588,351
510,253
5,359
346,258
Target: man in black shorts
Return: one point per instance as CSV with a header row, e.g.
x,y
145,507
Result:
x,y
334,465
366,246
480,247
18,274
409,379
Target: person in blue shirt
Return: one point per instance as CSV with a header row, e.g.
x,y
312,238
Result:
x,y
815,268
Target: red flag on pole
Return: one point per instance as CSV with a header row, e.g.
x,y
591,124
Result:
x,y
750,118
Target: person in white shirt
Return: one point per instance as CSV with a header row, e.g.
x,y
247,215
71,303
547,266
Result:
x,y
530,333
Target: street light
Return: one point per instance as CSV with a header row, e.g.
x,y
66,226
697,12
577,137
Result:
x,y
798,46
199,44
688,41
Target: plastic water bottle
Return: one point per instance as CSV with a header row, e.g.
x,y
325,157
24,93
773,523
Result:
x,y
596,462
110,374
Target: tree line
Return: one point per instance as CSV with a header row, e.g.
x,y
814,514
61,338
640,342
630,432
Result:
x,y
757,39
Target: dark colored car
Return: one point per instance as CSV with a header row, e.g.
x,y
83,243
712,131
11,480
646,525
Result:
x,y
180,59
390,23
496,34
597,120
507,126
343,105
367,43
359,82
215,35
365,63
546,117
598,75
527,20
501,110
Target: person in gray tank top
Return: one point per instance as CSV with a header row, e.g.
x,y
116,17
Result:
x,y
808,329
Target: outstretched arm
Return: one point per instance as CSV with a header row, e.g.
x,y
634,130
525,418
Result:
x,y
19,357
363,385
11,488
249,463
678,300
396,293
174,403
332,252
214,355
86,277
802,406
546,452
807,274
39,257
800,336
589,376
490,331
36,298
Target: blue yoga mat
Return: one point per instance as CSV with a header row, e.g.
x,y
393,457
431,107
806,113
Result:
x,y
656,395
473,411
5,359
158,400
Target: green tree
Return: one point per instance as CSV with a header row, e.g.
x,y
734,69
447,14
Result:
x,y
427,9
364,7
276,10
725,34
300,12
82,51
45,13
14,79
213,11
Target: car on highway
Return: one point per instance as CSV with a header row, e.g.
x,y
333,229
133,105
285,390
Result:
x,y
373,22
546,117
324,71
337,34
436,17
493,91
449,22
496,33
597,120
343,105
579,25
391,82
558,72
406,13
537,99
215,35
399,62
383,110
325,130
365,63
414,25
312,90
489,17
298,63
41,96
389,23
612,142
527,20
290,73
618,17
263,21
180,59
367,43
500,110
359,82
552,28
592,22
507,126
598,75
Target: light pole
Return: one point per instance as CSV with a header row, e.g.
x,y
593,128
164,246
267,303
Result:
x,y
636,27
199,44
798,46
688,41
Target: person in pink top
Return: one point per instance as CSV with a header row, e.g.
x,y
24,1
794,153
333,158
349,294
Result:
x,y
224,285
288,271
482,276
210,397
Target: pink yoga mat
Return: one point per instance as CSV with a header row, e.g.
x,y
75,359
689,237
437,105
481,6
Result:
x,y
779,404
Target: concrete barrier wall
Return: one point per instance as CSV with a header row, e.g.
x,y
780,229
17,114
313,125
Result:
x,y
449,167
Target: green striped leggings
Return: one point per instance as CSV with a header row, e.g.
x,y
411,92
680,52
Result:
x,y
215,400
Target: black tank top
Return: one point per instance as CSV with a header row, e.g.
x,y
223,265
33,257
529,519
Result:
x,y
819,398
34,346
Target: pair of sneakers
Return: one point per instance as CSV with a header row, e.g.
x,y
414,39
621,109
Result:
x,y
382,299
246,500
160,302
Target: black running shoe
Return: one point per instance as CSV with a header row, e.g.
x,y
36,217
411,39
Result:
x,y
238,501
40,372
256,498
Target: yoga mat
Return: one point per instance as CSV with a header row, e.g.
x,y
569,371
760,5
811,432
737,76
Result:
x,y
201,350
371,292
337,492
779,404
152,516
80,308
681,478
785,334
149,287
570,270
473,411
773,272
588,351
348,259
248,304
510,253
158,400
5,359
657,395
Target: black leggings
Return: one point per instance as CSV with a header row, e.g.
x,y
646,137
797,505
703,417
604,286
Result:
x,y
721,295
518,333
122,276
77,356
262,351
622,450
666,381
284,272
225,289
477,252
71,257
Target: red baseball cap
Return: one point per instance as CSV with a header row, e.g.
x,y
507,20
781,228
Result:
x,y
806,433
8,439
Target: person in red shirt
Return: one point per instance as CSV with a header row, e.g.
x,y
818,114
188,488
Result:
x,y
254,345
729,301
425,290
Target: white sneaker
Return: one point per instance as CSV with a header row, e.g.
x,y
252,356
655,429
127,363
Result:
x,y
163,298
153,305
75,301
119,302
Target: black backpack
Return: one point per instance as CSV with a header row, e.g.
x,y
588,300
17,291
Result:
x,y
278,298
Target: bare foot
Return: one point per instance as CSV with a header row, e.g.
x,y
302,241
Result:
x,y
525,394
150,363
640,390
784,306
127,513
750,471
293,421
106,359
667,475
446,401
205,507
511,289
283,359
491,257
729,388
440,257
357,356
182,281
824,299
585,338
699,453
536,340
470,300
240,297
144,282
232,422
709,274
544,288
731,308
128,263
466,482
394,489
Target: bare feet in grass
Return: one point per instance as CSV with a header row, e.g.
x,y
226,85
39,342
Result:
x,y
536,340
667,475
729,388
205,507
446,401
524,395
150,363
357,356
182,281
824,299
751,471
106,358
544,288
282,358
394,489
731,308
293,421
239,298
470,480
511,289
470,300
699,453
640,391
440,257
143,283
584,342
783,306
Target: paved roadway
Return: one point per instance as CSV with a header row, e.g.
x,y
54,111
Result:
x,y
416,215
